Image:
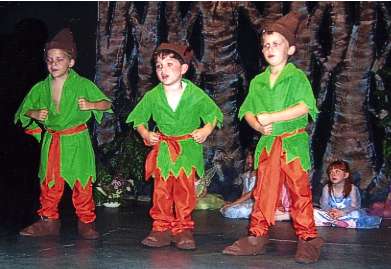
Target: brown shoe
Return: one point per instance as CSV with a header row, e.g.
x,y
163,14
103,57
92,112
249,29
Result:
x,y
185,240
247,246
87,230
43,227
308,251
158,239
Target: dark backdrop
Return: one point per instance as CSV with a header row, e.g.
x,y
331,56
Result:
x,y
24,28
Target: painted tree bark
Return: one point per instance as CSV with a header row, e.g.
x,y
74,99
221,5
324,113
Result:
x,y
335,48
111,43
350,134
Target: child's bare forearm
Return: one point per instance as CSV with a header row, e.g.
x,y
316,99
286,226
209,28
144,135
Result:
x,y
209,128
244,197
101,105
38,114
289,113
253,122
142,131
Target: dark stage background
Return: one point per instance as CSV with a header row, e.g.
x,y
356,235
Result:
x,y
344,49
24,29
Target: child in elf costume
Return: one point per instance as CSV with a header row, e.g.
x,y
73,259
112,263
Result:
x,y
177,107
62,104
277,105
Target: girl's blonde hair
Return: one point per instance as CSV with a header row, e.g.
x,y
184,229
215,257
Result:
x,y
344,166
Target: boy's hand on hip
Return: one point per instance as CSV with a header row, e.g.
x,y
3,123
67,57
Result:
x,y
85,105
39,114
264,119
151,138
200,135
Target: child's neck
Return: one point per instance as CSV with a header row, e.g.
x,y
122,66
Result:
x,y
175,87
57,85
275,72
174,93
338,187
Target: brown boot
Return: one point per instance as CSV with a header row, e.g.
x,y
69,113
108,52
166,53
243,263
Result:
x,y
249,245
308,251
87,230
43,227
157,239
185,240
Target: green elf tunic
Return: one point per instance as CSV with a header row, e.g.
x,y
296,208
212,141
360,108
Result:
x,y
291,88
195,106
77,155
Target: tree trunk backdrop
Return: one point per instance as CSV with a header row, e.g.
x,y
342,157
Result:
x,y
343,46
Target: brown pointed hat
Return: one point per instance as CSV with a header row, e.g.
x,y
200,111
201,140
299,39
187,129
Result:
x,y
63,40
182,50
286,26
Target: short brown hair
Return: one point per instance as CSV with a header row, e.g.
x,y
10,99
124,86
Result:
x,y
181,50
167,53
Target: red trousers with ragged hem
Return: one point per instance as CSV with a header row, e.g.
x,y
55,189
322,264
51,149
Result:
x,y
81,197
273,172
174,200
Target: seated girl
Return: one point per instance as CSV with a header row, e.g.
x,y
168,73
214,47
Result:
x,y
341,201
242,207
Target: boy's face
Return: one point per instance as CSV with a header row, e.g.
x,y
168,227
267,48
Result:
x,y
276,49
58,63
169,70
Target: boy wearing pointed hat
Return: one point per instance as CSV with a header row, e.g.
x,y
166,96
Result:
x,y
62,104
178,107
277,105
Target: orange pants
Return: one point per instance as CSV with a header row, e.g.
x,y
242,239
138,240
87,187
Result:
x,y
173,202
273,172
81,197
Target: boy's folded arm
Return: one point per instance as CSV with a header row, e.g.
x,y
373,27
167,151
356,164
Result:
x,y
290,113
97,105
102,105
252,121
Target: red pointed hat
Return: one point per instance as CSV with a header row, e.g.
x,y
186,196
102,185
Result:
x,y
182,50
286,26
63,40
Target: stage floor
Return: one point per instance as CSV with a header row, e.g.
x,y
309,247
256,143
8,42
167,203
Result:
x,y
123,228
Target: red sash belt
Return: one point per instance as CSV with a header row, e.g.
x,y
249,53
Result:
x,y
33,131
272,175
54,158
174,149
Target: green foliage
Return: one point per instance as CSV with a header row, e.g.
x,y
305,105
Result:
x,y
120,167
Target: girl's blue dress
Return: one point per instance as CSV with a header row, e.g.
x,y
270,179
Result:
x,y
354,217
